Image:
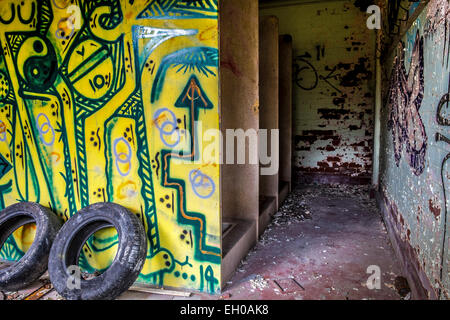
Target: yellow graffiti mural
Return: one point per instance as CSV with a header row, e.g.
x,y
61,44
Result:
x,y
104,101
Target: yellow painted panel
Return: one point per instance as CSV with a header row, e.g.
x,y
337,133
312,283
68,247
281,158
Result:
x,y
99,102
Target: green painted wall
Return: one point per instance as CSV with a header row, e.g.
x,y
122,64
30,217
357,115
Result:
x,y
415,145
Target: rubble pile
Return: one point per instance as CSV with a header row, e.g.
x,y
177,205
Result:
x,y
259,283
297,206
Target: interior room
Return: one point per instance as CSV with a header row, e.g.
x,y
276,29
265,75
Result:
x,y
330,121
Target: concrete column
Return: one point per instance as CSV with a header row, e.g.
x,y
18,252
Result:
x,y
239,101
377,128
285,114
268,93
239,109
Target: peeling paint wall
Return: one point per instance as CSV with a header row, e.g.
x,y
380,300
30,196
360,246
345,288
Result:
x,y
333,86
415,146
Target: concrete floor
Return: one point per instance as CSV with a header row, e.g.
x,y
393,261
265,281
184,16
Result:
x,y
318,246
324,257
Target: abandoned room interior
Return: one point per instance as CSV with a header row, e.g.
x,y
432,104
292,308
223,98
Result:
x,y
224,149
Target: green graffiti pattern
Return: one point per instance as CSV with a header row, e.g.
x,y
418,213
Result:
x,y
48,79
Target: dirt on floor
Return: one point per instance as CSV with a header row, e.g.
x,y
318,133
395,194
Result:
x,y
325,242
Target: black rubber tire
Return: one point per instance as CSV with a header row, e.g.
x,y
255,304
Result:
x,y
126,266
34,263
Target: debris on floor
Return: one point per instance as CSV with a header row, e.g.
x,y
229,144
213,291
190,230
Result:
x,y
326,237
259,283
402,286
225,296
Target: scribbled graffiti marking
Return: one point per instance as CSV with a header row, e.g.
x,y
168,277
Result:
x,y
441,120
202,185
307,77
305,74
122,158
2,131
18,9
207,275
45,129
162,121
405,98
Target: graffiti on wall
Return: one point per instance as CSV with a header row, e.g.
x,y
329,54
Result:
x,y
436,28
422,198
306,75
333,135
405,99
417,116
97,100
443,121
342,75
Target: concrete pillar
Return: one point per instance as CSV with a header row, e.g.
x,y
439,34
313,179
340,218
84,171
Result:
x,y
285,114
268,93
377,125
239,109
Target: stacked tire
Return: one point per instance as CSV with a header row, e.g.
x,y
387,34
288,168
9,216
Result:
x,y
57,247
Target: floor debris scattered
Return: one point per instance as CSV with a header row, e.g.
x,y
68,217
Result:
x,y
324,237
